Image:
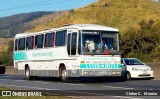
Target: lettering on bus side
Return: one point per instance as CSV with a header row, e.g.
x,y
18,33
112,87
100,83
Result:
x,y
45,54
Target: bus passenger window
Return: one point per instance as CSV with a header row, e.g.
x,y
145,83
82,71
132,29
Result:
x,y
60,38
29,42
49,40
39,41
21,44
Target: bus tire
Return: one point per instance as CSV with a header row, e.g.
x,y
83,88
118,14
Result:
x,y
63,74
27,73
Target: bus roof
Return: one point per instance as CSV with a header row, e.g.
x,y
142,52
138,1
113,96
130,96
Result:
x,y
75,26
91,27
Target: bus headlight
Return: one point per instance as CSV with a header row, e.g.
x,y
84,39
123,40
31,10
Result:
x,y
116,72
91,73
85,72
113,72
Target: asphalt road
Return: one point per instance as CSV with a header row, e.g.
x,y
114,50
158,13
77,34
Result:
x,y
111,89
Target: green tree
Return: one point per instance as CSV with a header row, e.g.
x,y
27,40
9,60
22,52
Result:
x,y
7,57
142,43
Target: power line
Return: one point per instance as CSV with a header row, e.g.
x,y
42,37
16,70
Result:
x,y
48,3
24,5
52,3
34,4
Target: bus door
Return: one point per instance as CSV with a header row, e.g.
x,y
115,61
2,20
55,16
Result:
x,y
72,42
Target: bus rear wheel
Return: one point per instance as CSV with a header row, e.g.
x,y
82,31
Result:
x,y
27,73
63,74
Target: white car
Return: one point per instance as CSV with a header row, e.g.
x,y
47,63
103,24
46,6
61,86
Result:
x,y
135,69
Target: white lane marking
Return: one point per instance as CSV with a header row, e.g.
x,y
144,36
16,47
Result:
x,y
72,84
117,87
126,97
28,87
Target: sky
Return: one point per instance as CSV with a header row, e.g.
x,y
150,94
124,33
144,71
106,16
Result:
x,y
11,7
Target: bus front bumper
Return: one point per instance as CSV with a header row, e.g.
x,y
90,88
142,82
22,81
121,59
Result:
x,y
93,73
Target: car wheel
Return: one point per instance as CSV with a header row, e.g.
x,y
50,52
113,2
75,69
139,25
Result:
x,y
128,76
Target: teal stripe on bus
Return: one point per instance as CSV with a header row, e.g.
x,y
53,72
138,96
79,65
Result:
x,y
100,66
20,56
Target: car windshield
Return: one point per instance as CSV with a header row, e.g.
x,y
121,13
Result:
x,y
97,42
133,62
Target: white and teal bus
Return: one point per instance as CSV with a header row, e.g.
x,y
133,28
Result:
x,y
78,50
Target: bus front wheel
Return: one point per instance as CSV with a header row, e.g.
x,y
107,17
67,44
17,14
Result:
x,y
63,74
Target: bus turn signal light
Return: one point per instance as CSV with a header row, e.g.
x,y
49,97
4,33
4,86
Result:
x,y
82,62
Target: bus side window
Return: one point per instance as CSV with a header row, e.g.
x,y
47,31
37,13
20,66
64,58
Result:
x,y
60,38
16,45
21,44
33,41
39,41
29,42
49,40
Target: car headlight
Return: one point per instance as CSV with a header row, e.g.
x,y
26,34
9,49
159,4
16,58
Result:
x,y
151,69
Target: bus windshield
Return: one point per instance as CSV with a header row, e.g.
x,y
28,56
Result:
x,y
97,42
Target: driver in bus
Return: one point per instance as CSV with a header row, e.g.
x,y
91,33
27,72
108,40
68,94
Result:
x,y
103,45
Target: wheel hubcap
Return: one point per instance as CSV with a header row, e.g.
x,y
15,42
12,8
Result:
x,y
64,74
128,76
27,73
